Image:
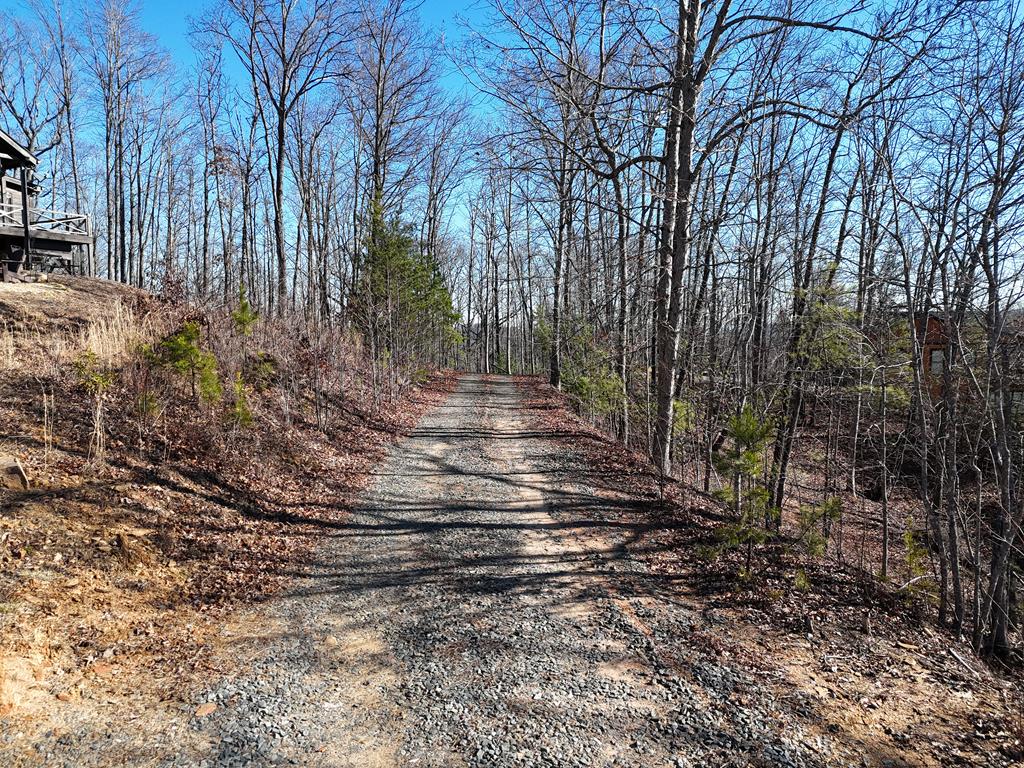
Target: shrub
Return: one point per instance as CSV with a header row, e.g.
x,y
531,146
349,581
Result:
x,y
920,584
93,377
748,498
597,389
801,582
182,352
259,371
241,415
917,553
684,417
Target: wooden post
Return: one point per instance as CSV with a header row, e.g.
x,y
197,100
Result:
x,y
24,220
87,266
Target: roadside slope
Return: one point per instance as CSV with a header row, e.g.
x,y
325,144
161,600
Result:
x,y
116,576
900,693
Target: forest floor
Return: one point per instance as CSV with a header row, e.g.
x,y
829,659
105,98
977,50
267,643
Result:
x,y
508,592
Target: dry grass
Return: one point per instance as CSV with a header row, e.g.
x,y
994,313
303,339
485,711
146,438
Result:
x,y
7,348
115,338
46,326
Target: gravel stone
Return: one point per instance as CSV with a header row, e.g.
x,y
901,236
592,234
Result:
x,y
481,617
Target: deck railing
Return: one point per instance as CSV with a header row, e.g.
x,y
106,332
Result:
x,y
46,220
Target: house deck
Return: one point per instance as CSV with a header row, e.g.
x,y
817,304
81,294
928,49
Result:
x,y
46,225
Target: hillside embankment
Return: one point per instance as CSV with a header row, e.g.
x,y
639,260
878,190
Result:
x,y
162,466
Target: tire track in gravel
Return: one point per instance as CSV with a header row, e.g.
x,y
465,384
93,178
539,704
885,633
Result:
x,y
469,614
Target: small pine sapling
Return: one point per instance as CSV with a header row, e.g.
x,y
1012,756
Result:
x,y
746,495
813,516
183,353
244,316
147,404
241,414
917,563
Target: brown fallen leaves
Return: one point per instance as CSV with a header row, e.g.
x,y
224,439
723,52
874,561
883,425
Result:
x,y
206,709
145,553
913,693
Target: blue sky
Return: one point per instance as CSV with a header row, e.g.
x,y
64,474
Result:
x,y
168,21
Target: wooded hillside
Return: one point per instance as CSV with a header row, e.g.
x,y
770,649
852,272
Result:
x,y
773,246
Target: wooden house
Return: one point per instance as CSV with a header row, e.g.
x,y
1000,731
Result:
x,y
32,237
931,334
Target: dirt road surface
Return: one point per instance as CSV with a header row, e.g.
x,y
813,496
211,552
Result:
x,y
473,612
468,614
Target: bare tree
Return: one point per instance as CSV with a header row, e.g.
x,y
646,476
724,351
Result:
x,y
289,49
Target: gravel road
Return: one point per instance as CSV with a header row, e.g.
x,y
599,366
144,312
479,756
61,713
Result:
x,y
469,615
472,612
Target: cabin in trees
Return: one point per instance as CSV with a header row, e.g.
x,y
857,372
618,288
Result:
x,y
931,333
32,237
934,341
